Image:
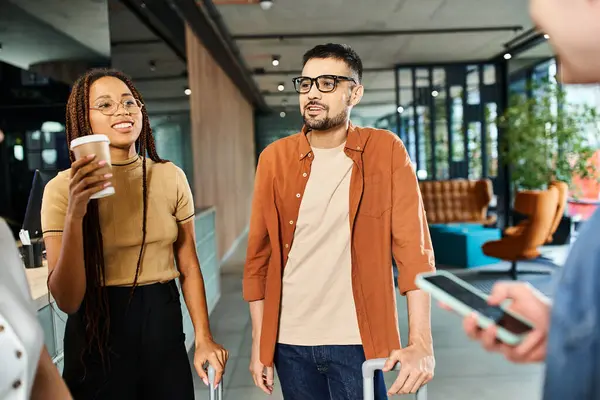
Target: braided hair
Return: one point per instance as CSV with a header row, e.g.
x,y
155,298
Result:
x,y
96,310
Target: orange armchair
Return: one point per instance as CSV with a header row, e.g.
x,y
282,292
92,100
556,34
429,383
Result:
x,y
563,193
522,244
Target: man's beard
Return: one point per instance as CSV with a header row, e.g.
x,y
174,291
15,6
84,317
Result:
x,y
327,122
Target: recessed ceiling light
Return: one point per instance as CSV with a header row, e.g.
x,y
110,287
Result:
x,y
275,61
281,87
282,114
187,91
266,4
400,110
507,56
435,93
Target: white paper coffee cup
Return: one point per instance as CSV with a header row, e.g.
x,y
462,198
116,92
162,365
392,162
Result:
x,y
99,145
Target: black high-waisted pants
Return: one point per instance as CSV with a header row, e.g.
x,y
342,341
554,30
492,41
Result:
x,y
147,355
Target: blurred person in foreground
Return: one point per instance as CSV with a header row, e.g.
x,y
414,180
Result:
x,y
567,331
26,371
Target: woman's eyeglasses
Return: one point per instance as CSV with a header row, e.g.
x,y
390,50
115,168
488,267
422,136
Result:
x,y
110,107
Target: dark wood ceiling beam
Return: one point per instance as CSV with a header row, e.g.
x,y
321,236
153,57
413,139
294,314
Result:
x,y
161,78
136,42
162,21
359,105
262,71
407,32
289,93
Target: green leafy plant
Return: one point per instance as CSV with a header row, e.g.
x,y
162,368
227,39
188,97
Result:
x,y
547,138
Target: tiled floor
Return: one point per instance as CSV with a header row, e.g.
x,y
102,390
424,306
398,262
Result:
x,y
463,370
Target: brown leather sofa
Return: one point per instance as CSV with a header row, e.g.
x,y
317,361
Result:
x,y
457,200
522,242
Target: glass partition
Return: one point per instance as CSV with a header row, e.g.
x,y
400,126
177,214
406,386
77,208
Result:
x,y
448,120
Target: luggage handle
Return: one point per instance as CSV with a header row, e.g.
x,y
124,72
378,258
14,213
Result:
x,y
368,372
214,393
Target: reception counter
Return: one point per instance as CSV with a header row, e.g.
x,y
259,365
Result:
x,y
53,320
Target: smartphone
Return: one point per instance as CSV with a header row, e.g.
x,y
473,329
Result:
x,y
465,299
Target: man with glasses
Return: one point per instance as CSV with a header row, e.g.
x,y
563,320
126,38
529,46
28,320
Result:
x,y
331,204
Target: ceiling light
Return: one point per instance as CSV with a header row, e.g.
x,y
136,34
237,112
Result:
x,y
507,56
187,91
266,4
400,110
281,87
52,127
435,93
282,114
275,61
546,36
152,64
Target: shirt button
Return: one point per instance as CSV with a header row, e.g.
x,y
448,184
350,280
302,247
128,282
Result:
x,y
291,222
305,174
298,195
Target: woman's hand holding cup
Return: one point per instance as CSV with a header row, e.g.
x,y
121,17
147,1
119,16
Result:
x,y
90,173
84,184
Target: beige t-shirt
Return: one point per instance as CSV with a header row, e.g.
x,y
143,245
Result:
x,y
317,306
170,203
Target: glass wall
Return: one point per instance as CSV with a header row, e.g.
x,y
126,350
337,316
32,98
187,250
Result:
x,y
584,189
447,118
173,140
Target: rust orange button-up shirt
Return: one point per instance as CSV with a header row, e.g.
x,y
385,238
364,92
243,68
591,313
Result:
x,y
386,217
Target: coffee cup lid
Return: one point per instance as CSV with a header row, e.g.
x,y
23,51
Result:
x,y
88,139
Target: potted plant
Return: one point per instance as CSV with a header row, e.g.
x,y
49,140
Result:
x,y
547,138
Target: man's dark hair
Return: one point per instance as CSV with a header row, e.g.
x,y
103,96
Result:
x,y
341,52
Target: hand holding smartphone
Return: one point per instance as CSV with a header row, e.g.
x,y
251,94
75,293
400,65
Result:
x,y
466,299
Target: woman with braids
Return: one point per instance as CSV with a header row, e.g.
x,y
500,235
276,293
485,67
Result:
x,y
111,261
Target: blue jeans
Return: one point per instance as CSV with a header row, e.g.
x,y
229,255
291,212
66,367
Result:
x,y
323,373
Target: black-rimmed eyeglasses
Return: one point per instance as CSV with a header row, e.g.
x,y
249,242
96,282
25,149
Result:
x,y
325,83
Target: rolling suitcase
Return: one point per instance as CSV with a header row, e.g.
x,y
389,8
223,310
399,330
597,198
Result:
x,y
214,393
368,372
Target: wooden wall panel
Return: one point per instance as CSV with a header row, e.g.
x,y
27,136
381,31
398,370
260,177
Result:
x,y
223,143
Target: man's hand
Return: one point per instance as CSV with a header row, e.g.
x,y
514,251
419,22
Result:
x,y
262,376
213,353
416,368
528,303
